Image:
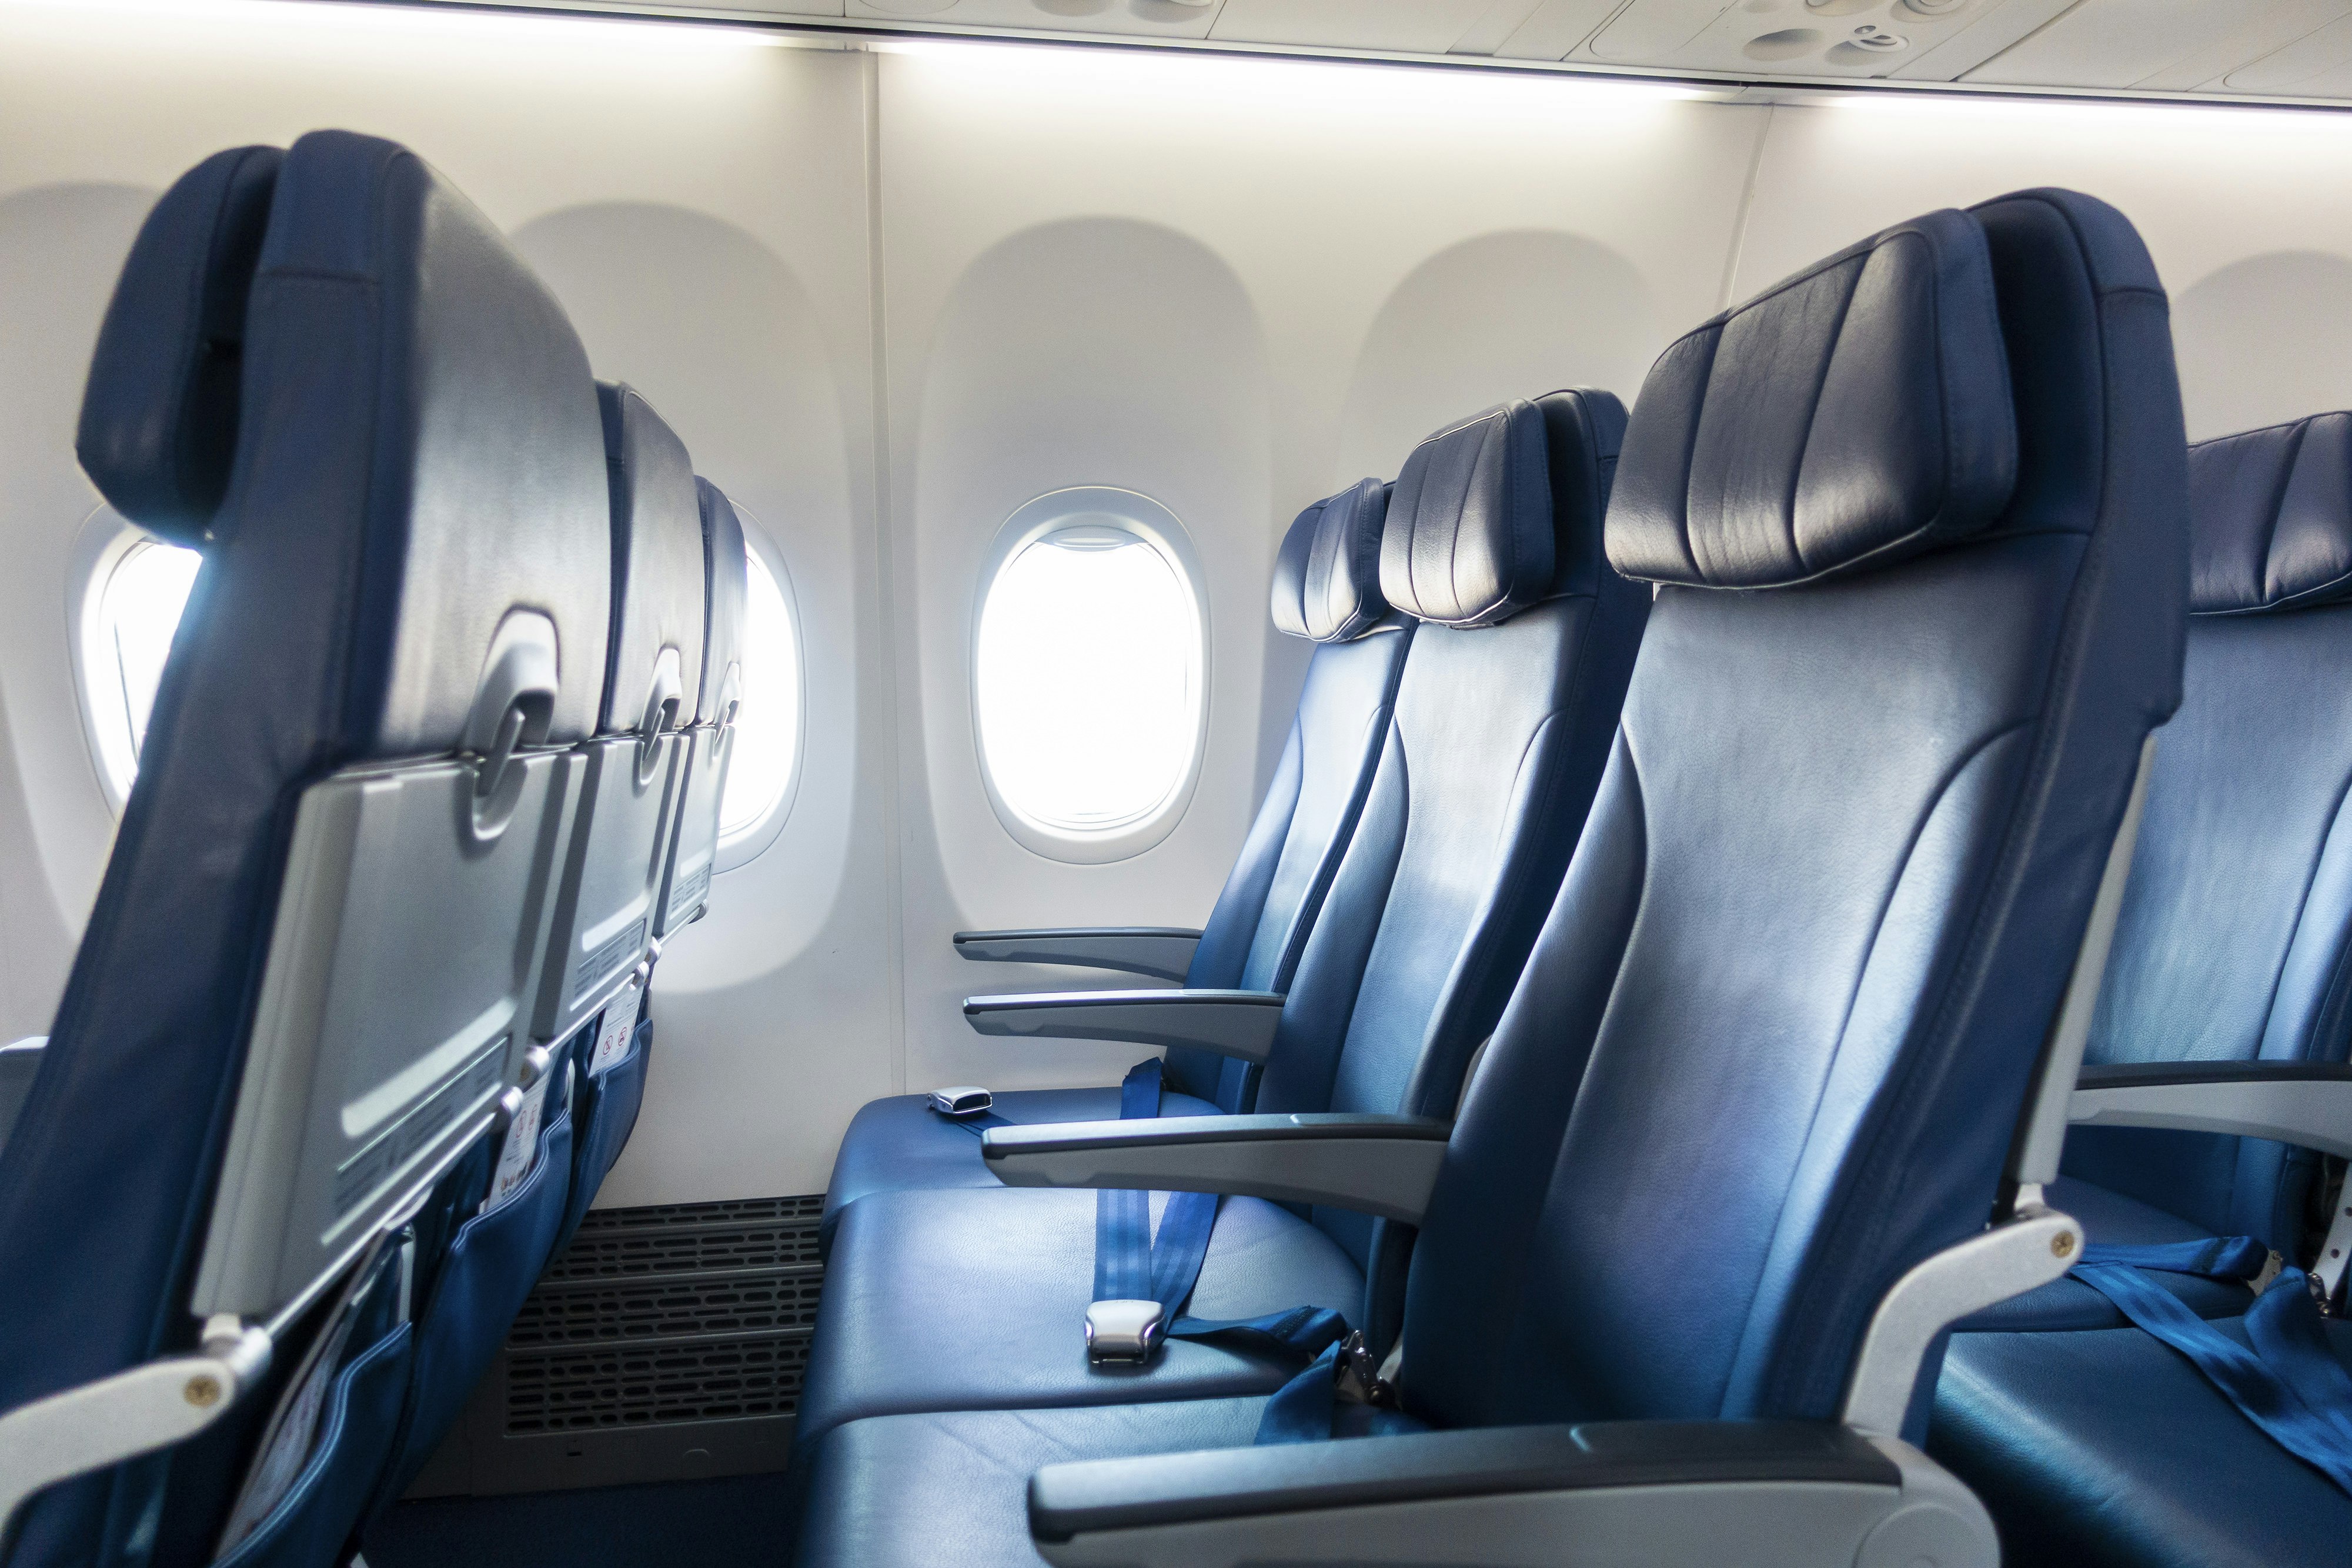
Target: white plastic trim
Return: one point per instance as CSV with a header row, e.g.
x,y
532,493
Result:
x,y
1146,520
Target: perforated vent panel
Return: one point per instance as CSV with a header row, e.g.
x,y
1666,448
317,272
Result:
x,y
692,1238
654,1316
573,1391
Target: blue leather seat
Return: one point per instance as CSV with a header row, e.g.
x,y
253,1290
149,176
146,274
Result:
x,y
1917,518
618,864
2086,1434
1501,726
328,371
1326,590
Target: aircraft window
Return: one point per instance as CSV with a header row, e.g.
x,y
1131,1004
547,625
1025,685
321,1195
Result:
x,y
768,719
137,612
1087,683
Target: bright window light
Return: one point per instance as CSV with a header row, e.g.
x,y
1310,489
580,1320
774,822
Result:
x,y
1087,680
139,610
768,719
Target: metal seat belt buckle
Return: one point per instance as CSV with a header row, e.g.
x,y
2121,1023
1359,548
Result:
x,y
1123,1334
961,1100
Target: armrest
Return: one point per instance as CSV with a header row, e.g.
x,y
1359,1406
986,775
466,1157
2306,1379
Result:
x,y
1164,951
1373,1165
1231,1023
1790,1492
2307,1103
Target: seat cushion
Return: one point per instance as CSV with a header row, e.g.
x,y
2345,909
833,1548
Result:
x,y
977,1300
2107,1447
951,1489
899,1143
2110,1220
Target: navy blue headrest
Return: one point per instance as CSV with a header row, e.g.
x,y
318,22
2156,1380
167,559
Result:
x,y
2271,518
724,567
159,416
1469,537
1853,415
658,576
1327,581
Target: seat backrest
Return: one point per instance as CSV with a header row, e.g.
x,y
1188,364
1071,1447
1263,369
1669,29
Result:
x,y
1503,716
694,843
299,991
1326,590
2237,922
1917,517
606,900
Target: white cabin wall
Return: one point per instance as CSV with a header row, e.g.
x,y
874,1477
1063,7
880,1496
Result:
x,y
1233,286
887,298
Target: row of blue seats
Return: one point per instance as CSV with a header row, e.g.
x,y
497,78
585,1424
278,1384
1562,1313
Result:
x,y
356,1029
1644,1021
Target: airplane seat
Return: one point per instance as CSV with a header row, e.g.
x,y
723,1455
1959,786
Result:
x,y
19,1060
2092,1439
297,1011
1501,724
694,851
1914,516
1325,590
601,945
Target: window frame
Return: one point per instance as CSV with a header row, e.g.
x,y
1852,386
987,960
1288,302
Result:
x,y
1134,513
747,842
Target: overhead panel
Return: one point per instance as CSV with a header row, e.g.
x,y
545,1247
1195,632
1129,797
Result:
x,y
1781,37
2317,65
1488,34
2268,28
1984,32
2120,43
1402,26
1148,18
1555,27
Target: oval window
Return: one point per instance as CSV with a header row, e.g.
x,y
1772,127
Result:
x,y
1088,676
127,637
767,741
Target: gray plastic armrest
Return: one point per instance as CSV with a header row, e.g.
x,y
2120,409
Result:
x,y
1636,1492
1373,1165
2301,1102
1164,951
1231,1023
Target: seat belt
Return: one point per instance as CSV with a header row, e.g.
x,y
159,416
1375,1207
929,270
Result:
x,y
1123,1243
2289,1385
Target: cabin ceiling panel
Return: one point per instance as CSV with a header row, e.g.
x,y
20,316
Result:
x,y
2132,43
1142,18
2268,48
1403,27
2313,65
1555,27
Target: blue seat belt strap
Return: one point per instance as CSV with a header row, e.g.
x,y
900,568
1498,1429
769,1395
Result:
x,y
2289,1383
1123,1218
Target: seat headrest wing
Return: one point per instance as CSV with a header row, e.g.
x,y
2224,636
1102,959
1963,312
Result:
x,y
2271,518
725,567
1469,537
1327,579
159,419
658,576
1852,416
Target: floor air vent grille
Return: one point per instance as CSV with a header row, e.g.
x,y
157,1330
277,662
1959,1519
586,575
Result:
x,y
683,1312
